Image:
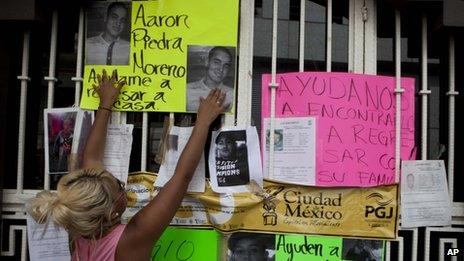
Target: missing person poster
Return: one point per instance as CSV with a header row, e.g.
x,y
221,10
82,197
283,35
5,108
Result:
x,y
355,135
170,53
294,150
234,160
425,200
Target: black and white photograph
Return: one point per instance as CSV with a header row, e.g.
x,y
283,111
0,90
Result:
x,y
362,250
210,67
278,139
251,247
232,159
108,33
58,134
409,182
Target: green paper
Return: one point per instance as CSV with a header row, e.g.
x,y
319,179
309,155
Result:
x,y
186,244
297,247
321,248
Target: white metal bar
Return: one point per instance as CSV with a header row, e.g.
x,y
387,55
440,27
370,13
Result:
x,y
351,35
424,90
451,116
171,118
51,75
369,19
329,37
115,117
245,63
52,62
228,120
414,243
80,48
415,240
357,26
387,250
24,78
15,216
400,248
398,92
143,163
123,117
302,35
273,85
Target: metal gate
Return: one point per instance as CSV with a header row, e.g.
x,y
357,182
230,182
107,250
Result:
x,y
362,36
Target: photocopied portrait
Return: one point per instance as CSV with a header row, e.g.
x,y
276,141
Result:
x,y
232,158
59,133
251,247
108,28
210,67
278,139
409,182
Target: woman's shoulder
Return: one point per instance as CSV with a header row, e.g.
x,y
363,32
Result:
x,y
101,249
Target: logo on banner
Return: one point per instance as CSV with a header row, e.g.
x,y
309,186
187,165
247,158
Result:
x,y
379,210
269,206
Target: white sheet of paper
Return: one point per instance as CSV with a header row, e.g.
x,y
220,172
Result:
x,y
172,155
234,160
294,150
118,149
424,194
51,245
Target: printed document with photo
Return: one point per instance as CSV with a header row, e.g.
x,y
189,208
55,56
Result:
x,y
424,194
294,150
176,142
234,160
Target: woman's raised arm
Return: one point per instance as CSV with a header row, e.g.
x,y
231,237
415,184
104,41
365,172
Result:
x,y
108,90
149,223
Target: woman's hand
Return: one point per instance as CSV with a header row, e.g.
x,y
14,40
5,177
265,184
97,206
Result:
x,y
108,88
211,107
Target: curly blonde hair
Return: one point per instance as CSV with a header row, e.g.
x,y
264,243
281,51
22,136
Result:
x,y
83,203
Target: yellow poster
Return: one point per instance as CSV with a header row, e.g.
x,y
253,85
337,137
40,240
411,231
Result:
x,y
283,208
170,53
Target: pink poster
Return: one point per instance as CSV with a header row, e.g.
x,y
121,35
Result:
x,y
355,118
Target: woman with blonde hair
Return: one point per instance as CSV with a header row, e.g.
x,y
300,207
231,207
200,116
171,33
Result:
x,y
89,202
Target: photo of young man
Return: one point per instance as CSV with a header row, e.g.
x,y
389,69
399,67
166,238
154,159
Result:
x,y
108,45
208,70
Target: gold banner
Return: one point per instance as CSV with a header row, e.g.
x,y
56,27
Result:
x,y
284,208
